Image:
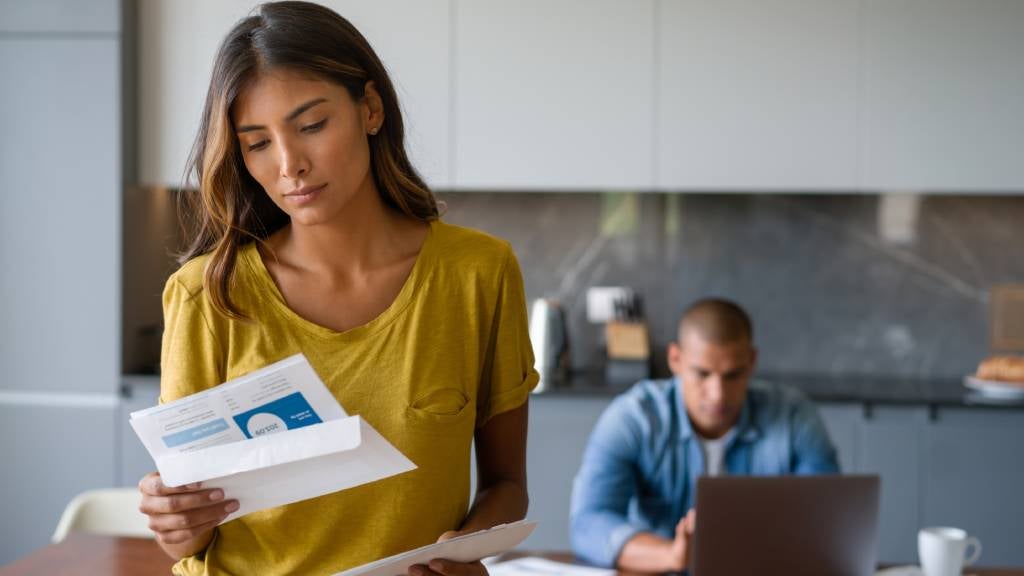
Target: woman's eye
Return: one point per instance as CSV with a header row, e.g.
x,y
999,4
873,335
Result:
x,y
314,127
257,146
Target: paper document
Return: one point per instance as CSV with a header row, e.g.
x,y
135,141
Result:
x,y
271,437
901,571
468,548
532,566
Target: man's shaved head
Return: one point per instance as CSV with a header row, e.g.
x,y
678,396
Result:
x,y
713,360
716,321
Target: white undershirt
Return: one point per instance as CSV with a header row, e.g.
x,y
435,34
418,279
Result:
x,y
714,454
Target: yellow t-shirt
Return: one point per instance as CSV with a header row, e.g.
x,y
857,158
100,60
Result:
x,y
450,352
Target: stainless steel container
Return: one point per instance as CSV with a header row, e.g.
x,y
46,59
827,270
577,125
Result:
x,y
550,342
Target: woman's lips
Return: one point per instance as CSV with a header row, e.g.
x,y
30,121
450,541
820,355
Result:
x,y
304,195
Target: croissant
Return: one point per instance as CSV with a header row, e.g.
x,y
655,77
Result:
x,y
1002,368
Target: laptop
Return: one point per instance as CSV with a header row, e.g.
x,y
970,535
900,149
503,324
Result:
x,y
788,525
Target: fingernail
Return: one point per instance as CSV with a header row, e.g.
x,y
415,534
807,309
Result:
x,y
231,507
436,565
217,495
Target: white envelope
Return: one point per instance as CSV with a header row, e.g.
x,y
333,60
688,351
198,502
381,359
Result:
x,y
467,548
282,468
221,437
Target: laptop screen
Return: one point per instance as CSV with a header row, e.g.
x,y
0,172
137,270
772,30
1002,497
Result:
x,y
790,525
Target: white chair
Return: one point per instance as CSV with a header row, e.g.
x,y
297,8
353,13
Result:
x,y
112,511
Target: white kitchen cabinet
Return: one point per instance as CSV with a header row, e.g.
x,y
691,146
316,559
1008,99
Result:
x,y
60,213
134,462
60,245
558,434
973,474
554,95
177,41
757,95
843,423
890,446
179,38
943,95
60,16
671,95
413,39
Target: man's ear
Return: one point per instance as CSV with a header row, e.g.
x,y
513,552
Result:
x,y
674,355
753,358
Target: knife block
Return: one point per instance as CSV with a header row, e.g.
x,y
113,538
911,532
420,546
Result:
x,y
627,341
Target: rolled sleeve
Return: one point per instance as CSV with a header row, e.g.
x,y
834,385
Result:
x,y
510,375
605,484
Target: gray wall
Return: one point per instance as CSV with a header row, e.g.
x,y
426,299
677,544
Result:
x,y
836,284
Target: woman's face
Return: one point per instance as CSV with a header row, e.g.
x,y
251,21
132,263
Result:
x,y
305,141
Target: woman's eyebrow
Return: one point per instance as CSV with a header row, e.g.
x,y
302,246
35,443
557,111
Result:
x,y
291,115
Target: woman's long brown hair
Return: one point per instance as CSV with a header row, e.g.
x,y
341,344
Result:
x,y
231,208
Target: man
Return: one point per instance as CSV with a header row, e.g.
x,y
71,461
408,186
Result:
x,y
632,502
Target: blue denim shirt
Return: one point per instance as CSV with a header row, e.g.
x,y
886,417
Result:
x,y
640,467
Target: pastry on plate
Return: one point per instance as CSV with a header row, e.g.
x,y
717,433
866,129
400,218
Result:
x,y
1003,369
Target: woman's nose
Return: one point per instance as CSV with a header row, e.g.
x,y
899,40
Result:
x,y
294,163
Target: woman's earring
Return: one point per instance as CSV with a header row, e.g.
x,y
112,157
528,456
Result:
x,y
373,131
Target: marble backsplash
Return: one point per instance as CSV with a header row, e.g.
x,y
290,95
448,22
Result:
x,y
882,285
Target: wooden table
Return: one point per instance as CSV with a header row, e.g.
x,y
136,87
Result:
x,y
111,556
82,554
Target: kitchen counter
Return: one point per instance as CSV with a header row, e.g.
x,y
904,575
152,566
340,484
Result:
x,y
868,390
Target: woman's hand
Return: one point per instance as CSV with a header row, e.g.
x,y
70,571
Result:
x,y
183,518
442,567
448,568
501,488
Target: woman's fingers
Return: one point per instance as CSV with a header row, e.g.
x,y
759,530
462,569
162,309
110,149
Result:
x,y
180,502
440,567
192,519
179,514
449,535
184,535
159,499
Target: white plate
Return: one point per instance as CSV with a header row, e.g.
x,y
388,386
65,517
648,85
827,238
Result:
x,y
995,388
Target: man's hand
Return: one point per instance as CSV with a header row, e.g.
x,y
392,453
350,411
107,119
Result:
x,y
680,549
447,567
647,552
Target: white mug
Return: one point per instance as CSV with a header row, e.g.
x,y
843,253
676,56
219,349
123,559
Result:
x,y
943,551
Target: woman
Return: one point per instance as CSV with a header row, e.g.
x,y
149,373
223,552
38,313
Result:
x,y
314,234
